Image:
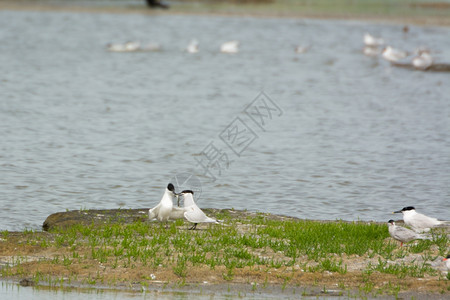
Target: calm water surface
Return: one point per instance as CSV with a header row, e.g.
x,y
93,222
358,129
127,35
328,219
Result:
x,y
12,291
85,128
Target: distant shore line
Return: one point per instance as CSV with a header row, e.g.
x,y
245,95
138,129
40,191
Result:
x,y
236,11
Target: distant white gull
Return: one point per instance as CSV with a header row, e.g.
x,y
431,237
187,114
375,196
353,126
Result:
x,y
192,47
230,47
371,41
393,55
302,49
133,47
423,61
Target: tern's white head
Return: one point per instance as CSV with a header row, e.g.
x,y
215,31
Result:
x,y
406,211
188,197
391,226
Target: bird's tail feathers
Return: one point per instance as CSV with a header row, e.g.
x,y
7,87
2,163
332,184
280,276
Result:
x,y
151,214
443,224
221,223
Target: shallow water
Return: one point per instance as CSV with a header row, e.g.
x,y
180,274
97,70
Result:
x,y
12,291
85,128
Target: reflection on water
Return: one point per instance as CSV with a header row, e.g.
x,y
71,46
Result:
x,y
13,291
85,128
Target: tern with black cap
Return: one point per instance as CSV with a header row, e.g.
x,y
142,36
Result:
x,y
419,222
163,210
193,213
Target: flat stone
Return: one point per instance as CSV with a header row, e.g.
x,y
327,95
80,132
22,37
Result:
x,y
94,216
127,216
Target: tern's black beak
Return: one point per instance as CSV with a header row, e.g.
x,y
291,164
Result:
x,y
397,212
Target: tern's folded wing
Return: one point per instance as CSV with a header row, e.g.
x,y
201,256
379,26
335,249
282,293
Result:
x,y
404,234
195,215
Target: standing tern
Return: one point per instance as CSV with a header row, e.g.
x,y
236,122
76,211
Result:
x,y
403,234
419,222
193,213
164,209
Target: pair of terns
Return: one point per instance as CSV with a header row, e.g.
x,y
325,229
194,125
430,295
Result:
x,y
165,210
418,222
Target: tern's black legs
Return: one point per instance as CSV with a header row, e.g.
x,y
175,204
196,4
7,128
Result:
x,y
193,227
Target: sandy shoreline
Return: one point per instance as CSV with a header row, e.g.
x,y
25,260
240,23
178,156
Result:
x,y
422,20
